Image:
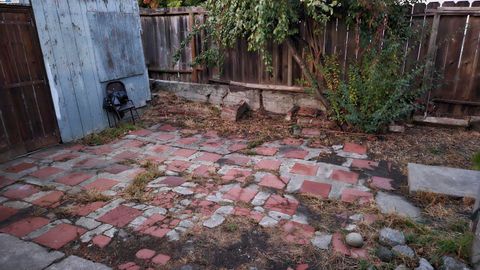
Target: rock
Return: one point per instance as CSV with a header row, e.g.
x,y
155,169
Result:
x,y
234,113
322,241
214,221
278,215
173,235
74,262
450,263
402,267
391,237
268,222
424,265
351,227
403,251
396,128
393,204
354,240
384,254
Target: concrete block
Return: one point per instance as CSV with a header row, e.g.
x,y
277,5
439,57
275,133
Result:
x,y
252,97
276,102
443,180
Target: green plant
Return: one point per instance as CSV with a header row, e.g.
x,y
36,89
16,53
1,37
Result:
x,y
168,3
374,92
108,134
476,161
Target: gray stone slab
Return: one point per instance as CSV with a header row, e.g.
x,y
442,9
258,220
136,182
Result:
x,y
443,180
393,204
77,263
20,255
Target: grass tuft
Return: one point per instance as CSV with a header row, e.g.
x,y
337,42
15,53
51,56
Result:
x,y
136,190
109,134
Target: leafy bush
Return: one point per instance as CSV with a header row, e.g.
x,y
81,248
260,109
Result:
x,y
476,161
374,92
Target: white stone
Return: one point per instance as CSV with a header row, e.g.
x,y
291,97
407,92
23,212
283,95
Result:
x,y
90,234
173,235
300,218
260,198
155,210
268,222
322,241
137,222
351,227
87,223
183,190
214,221
17,204
186,224
259,209
110,233
224,210
354,240
278,215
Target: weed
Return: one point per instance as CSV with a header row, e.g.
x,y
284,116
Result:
x,y
89,196
476,161
109,134
136,190
255,143
231,227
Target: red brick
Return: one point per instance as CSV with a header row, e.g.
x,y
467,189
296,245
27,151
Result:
x,y
141,132
304,169
381,183
101,241
145,254
116,168
295,153
64,157
59,236
161,148
292,141
268,164
173,181
157,232
120,216
126,155
209,157
364,164
237,160
128,266
355,148
155,160
101,184
317,189
74,179
46,172
6,212
187,141
150,221
133,144
281,204
161,259
297,233
345,176
237,147
338,245
204,171
239,175
4,181
25,226
212,143
302,267
240,194
352,195
272,181
20,192
178,165
85,209
310,132
167,127
266,151
184,153
20,167
88,163
305,111
49,199
101,150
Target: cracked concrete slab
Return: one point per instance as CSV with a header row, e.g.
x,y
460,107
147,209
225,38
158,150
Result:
x,y
76,263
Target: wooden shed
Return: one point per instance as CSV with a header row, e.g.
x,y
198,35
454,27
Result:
x,y
57,57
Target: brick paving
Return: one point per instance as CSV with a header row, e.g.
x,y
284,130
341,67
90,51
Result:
x,y
205,179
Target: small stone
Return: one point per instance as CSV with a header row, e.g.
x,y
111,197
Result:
x,y
173,235
396,128
183,191
278,215
356,217
354,240
351,227
384,254
224,210
391,237
401,267
268,222
450,263
322,241
185,224
214,221
403,250
424,265
87,223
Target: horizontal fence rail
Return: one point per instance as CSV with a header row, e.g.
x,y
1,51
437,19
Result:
x,y
448,39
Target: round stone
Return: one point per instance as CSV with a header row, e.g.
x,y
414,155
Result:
x,y
384,254
354,240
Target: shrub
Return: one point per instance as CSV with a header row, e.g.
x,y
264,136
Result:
x,y
374,92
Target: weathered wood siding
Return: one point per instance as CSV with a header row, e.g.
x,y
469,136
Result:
x,y
74,61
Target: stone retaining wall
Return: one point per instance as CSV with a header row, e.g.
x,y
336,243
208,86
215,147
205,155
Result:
x,y
270,101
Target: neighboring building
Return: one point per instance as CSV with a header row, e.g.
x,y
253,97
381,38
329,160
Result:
x,y
59,56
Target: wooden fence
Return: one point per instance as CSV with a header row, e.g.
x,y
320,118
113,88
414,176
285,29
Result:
x,y
448,37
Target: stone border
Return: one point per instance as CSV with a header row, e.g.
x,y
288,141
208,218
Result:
x,y
222,95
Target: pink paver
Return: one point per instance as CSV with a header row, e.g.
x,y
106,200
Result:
x,y
6,212
126,155
352,195
25,226
184,153
239,175
272,181
188,140
133,144
145,254
20,191
65,157
128,266
295,153
49,199
120,216
266,151
304,169
345,176
74,179
46,172
298,233
161,259
101,241
20,167
173,181
161,148
178,166
240,194
292,141
204,171
381,183
88,163
59,236
237,160
116,168
321,190
4,181
101,150
209,157
281,204
141,132
364,164
268,164
355,148
157,232
310,132
85,209
101,184
167,127
237,147
165,137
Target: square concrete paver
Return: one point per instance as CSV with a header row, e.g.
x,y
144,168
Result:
x,y
6,212
304,169
20,191
321,190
